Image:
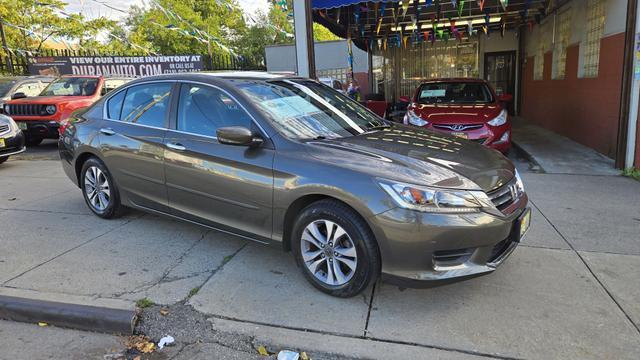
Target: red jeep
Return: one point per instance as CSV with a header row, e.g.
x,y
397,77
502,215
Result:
x,y
40,117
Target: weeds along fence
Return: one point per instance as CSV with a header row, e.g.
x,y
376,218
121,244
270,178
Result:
x,y
216,62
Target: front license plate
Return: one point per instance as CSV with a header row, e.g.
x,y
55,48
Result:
x,y
525,221
2,143
22,125
460,135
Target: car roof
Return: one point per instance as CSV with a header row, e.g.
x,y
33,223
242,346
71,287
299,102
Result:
x,y
26,77
458,80
204,76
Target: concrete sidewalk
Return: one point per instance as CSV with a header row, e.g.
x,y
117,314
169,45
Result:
x,y
571,290
557,154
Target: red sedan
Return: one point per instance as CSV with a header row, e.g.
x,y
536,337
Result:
x,y
468,108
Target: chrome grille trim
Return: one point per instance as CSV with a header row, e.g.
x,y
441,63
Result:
x,y
505,195
458,127
4,128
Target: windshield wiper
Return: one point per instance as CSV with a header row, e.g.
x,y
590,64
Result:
x,y
377,127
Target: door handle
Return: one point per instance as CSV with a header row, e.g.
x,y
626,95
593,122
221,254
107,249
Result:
x,y
107,131
176,146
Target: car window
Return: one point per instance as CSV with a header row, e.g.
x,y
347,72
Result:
x,y
71,86
454,93
203,109
114,105
111,84
29,89
146,104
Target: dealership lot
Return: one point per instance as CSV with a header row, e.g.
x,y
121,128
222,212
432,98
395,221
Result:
x,y
569,291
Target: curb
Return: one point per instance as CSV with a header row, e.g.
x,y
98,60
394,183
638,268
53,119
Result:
x,y
527,155
75,316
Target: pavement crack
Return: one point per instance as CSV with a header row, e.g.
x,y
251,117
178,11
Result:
x,y
220,267
366,324
635,326
164,278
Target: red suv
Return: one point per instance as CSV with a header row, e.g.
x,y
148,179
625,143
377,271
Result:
x,y
467,108
40,117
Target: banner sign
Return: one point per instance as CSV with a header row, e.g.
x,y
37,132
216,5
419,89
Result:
x,y
129,66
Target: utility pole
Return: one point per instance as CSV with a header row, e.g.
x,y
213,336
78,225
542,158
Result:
x,y
303,26
4,45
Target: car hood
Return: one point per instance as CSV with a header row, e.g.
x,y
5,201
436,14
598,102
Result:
x,y
48,99
420,157
457,113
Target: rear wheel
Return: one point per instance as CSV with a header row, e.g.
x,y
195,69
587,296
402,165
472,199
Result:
x,y
335,248
3,159
99,189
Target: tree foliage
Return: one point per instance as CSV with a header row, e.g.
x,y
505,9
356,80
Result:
x,y
29,24
160,26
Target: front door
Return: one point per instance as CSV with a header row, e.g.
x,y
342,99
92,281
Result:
x,y
132,142
226,186
500,72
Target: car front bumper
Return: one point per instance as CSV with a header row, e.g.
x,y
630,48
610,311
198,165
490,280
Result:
x,y
39,129
493,137
424,249
13,144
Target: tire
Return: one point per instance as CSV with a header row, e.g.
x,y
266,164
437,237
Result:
x,y
33,141
3,159
356,244
105,205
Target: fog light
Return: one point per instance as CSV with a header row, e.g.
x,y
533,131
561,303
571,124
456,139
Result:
x,y
504,138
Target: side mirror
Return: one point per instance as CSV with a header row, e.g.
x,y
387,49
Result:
x,y
238,135
18,95
404,99
505,98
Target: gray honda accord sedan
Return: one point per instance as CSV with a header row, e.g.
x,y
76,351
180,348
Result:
x,y
290,162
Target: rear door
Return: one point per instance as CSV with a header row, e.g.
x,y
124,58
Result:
x,y
132,142
229,187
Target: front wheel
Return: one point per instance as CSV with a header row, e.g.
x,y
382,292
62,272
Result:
x,y
99,189
335,248
3,159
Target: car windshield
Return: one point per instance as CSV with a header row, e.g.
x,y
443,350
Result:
x,y
454,93
305,109
71,86
5,86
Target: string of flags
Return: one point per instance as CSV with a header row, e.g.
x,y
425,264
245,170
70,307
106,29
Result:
x,y
413,32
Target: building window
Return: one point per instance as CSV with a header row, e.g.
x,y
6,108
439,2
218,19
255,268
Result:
x,y
563,36
542,48
594,30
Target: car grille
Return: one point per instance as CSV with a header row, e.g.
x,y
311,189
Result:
x,y
505,195
4,128
480,141
27,109
458,127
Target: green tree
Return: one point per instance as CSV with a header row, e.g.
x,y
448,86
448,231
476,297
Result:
x,y
29,24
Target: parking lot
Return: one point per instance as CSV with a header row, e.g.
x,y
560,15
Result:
x,y
571,290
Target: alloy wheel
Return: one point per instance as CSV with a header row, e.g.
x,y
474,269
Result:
x,y
96,188
329,252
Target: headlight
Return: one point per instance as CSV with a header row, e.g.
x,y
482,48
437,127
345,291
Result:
x,y
519,183
412,118
436,200
13,127
500,119
50,109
